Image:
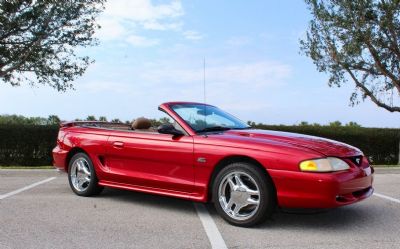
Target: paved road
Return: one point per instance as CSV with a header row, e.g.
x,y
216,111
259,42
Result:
x,y
49,215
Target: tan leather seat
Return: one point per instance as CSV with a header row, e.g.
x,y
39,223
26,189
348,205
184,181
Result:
x,y
141,124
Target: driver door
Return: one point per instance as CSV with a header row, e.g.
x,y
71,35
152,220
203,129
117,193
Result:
x,y
151,160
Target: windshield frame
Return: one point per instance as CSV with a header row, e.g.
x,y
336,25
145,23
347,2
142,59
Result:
x,y
206,129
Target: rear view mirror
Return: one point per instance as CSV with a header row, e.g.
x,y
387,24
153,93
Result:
x,y
204,112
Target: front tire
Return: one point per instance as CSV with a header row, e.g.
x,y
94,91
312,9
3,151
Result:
x,y
243,195
82,176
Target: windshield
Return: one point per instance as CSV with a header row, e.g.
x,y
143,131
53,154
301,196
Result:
x,y
203,118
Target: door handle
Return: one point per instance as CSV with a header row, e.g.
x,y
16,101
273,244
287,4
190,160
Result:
x,y
118,144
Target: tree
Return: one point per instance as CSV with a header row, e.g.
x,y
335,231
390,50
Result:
x,y
353,124
304,123
37,40
251,123
103,119
53,120
335,124
358,40
90,118
21,120
116,120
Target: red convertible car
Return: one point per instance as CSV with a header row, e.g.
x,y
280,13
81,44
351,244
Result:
x,y
205,154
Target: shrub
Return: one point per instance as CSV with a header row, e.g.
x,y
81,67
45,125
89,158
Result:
x,y
380,145
27,145
31,145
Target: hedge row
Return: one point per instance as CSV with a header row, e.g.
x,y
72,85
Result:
x,y
380,145
27,145
30,145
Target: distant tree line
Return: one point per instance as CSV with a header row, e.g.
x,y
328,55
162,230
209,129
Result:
x,y
21,120
305,123
55,120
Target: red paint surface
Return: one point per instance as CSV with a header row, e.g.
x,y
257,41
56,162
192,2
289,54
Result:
x,y
161,164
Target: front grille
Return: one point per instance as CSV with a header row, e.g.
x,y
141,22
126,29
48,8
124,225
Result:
x,y
357,160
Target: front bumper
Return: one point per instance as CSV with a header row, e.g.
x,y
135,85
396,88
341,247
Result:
x,y
322,190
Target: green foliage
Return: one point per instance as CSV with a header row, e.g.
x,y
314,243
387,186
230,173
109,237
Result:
x,y
335,124
103,119
21,120
380,145
116,120
158,122
358,40
29,145
38,38
251,123
304,123
90,118
53,120
353,124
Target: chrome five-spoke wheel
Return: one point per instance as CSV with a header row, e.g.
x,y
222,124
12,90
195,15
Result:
x,y
243,194
239,195
80,174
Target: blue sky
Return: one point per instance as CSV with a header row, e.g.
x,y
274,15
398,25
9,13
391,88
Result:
x,y
152,52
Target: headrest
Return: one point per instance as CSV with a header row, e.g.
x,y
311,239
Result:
x,y
141,123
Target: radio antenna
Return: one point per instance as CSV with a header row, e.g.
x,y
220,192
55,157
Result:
x,y
204,79
204,92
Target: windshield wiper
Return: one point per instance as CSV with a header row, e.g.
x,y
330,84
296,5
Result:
x,y
242,128
214,128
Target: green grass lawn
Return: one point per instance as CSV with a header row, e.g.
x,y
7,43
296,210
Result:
x,y
26,167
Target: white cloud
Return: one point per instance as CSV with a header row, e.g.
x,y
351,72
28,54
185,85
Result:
x,y
143,10
124,17
254,75
141,41
156,25
192,35
111,29
258,74
124,20
168,76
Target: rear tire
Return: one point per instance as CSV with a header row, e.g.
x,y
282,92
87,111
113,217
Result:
x,y
82,176
243,195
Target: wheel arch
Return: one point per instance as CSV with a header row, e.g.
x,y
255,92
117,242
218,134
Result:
x,y
70,154
235,159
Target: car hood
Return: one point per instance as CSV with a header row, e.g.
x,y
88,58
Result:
x,y
323,146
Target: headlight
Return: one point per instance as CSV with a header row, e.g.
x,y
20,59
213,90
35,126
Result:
x,y
324,165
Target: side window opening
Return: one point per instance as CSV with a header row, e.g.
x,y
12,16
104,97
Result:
x,y
164,118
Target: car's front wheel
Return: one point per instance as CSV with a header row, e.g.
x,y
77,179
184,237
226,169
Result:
x,y
82,176
243,195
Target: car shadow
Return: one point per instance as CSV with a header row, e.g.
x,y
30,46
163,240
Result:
x,y
329,219
343,218
338,219
148,200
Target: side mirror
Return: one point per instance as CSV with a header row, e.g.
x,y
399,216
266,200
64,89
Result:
x,y
169,129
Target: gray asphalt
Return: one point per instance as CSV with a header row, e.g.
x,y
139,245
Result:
x,y
51,216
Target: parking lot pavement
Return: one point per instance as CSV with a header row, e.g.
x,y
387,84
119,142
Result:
x,y
388,184
14,179
49,215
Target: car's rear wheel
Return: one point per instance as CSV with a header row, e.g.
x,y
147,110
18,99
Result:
x,y
243,195
82,176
